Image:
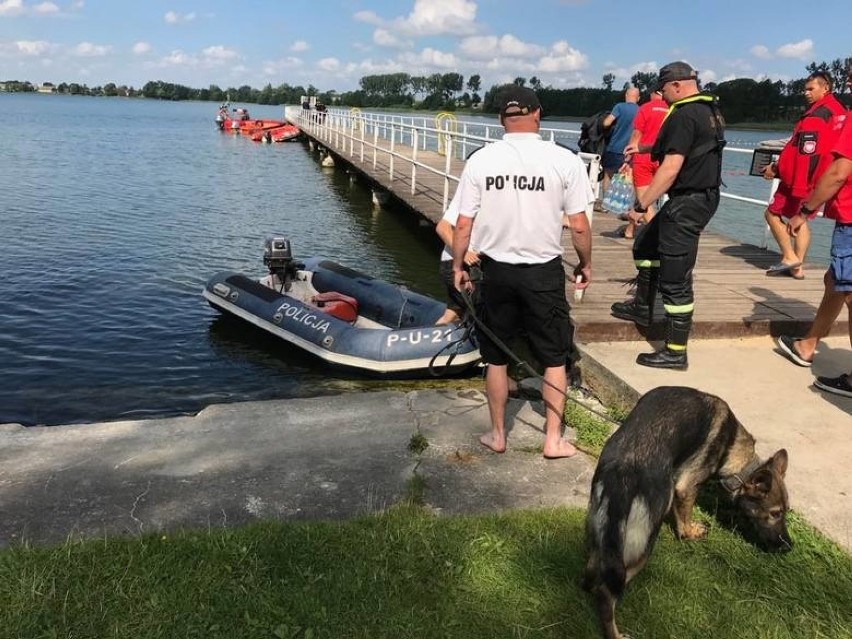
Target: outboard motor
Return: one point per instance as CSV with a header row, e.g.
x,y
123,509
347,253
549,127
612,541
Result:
x,y
278,258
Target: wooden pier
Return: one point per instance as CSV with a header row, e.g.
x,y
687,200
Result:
x,y
734,297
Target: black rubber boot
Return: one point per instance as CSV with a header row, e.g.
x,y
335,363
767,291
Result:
x,y
641,308
673,355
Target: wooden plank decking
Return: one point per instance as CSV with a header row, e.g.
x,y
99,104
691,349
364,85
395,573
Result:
x,y
733,295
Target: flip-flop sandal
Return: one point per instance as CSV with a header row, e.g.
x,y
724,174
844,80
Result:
x,y
778,269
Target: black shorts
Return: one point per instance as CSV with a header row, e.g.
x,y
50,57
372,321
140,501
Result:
x,y
528,297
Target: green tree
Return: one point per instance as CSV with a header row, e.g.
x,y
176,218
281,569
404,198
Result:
x,y
608,79
474,83
645,81
520,81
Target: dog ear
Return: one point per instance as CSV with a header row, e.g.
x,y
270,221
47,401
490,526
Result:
x,y
759,483
778,462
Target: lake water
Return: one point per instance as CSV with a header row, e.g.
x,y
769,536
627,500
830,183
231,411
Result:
x,y
114,214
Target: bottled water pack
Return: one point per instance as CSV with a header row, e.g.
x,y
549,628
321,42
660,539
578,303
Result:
x,y
619,197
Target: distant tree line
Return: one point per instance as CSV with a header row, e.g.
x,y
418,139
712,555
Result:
x,y
743,100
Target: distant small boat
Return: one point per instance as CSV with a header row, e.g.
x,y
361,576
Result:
x,y
230,121
345,318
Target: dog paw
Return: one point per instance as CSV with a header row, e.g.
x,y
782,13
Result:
x,y
693,530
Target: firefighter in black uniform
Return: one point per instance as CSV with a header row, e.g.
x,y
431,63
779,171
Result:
x,y
689,149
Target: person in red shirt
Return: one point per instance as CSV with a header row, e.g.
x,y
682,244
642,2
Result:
x,y
646,125
834,189
803,159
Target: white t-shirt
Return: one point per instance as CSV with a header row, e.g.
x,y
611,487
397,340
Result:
x,y
451,216
518,189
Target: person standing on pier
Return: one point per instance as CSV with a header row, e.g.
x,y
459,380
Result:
x,y
689,150
803,159
620,125
834,189
646,126
456,307
518,193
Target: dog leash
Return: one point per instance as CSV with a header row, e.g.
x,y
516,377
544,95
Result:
x,y
525,365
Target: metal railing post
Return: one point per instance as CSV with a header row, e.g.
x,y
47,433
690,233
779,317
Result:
x,y
447,166
413,159
464,141
392,150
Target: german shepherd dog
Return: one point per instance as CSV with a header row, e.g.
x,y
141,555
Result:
x,y
674,440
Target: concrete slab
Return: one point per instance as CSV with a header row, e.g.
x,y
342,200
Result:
x,y
776,402
323,458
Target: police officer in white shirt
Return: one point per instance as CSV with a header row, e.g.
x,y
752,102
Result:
x,y
519,193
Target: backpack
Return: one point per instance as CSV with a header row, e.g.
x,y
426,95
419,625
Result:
x,y
593,136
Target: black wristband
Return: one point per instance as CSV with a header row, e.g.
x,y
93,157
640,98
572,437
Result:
x,y
637,206
804,211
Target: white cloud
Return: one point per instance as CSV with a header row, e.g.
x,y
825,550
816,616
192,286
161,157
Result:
x,y
329,64
77,4
141,48
299,46
11,7
178,58
89,50
219,53
562,57
368,16
26,48
278,67
430,59
175,18
209,58
708,75
760,51
46,8
802,50
429,18
385,38
486,47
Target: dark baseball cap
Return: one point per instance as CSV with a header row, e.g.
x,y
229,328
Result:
x,y
517,100
674,71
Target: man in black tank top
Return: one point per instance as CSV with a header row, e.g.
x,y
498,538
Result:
x,y
689,149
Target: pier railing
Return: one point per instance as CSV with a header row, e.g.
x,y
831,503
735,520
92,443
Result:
x,y
398,139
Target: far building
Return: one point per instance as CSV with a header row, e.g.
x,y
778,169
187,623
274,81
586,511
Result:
x,y
47,87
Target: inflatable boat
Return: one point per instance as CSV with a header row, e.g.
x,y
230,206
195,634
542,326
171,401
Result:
x,y
345,318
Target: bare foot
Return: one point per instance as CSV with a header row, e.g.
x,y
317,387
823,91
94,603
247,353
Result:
x,y
498,445
448,317
560,450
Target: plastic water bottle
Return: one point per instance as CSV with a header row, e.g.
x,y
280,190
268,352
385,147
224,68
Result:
x,y
607,200
579,288
624,200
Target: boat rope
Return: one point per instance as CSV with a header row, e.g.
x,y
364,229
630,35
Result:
x,y
471,312
457,344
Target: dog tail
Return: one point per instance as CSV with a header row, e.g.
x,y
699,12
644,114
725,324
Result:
x,y
605,537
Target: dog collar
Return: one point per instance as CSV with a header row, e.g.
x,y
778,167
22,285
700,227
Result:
x,y
732,483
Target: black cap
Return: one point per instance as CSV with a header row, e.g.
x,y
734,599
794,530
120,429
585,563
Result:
x,y
517,100
674,71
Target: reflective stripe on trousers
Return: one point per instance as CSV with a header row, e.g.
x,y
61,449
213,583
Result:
x,y
671,239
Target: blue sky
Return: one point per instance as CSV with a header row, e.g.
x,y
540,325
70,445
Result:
x,y
332,43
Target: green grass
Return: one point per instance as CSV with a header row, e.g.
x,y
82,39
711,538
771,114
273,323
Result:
x,y
592,431
407,573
